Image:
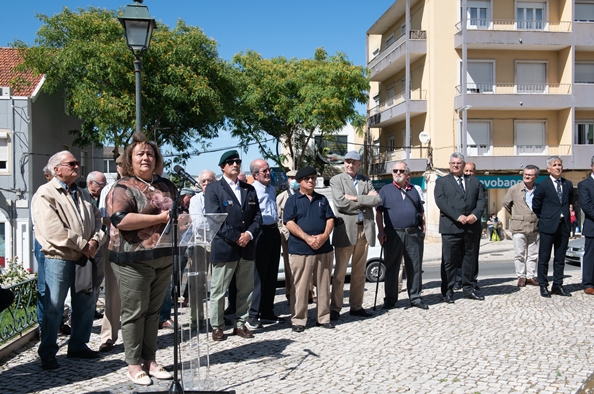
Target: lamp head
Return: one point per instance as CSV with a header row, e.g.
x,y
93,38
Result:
x,y
138,25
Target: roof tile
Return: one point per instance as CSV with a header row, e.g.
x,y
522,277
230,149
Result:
x,y
9,59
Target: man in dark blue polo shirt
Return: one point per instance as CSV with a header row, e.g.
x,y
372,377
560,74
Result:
x,y
310,220
400,220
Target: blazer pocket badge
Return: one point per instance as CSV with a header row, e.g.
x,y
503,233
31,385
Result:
x,y
228,203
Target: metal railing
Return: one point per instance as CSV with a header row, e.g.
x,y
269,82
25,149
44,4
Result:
x,y
378,160
21,315
415,94
516,88
516,25
518,150
414,35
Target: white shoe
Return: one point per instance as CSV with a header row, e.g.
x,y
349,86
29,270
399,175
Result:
x,y
140,378
159,373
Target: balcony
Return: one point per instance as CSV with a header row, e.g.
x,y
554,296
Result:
x,y
514,34
512,96
515,157
583,94
393,58
382,163
393,110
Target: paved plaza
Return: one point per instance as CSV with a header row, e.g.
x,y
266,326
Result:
x,y
513,342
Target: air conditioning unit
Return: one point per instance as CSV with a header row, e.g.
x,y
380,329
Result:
x,y
4,91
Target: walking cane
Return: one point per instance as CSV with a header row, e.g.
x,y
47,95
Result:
x,y
379,272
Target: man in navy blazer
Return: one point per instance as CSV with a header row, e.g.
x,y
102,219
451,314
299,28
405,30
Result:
x,y
551,204
586,195
233,247
461,202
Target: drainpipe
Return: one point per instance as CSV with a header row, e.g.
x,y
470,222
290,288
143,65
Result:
x,y
462,140
407,139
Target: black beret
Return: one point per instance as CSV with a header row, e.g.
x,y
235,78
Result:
x,y
305,171
230,154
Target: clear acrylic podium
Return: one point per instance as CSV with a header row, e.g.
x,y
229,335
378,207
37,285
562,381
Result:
x,y
195,234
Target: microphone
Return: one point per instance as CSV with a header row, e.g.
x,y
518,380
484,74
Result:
x,y
185,175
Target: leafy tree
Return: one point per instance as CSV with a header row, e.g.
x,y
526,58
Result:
x,y
290,101
187,90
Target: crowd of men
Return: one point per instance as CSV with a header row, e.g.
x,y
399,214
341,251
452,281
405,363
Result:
x,y
72,227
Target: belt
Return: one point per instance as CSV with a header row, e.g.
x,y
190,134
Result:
x,y
407,230
274,225
360,223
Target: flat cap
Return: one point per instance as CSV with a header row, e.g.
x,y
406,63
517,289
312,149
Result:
x,y
187,191
305,171
292,173
353,155
230,154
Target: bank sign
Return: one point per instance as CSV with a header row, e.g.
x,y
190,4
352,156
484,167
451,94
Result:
x,y
503,181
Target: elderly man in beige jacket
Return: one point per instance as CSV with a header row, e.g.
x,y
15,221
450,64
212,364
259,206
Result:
x,y
524,226
68,227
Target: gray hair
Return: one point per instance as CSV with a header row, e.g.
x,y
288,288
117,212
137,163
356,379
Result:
x,y
208,173
457,155
553,159
93,176
533,167
254,167
55,161
403,162
47,171
592,160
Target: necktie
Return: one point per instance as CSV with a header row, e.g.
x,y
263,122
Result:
x,y
559,191
461,185
360,216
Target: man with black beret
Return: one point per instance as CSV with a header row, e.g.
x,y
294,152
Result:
x,y
233,247
310,220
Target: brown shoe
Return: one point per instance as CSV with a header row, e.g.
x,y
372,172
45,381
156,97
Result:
x,y
532,281
218,334
521,282
106,347
589,290
243,332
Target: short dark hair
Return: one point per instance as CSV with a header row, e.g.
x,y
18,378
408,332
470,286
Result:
x,y
533,167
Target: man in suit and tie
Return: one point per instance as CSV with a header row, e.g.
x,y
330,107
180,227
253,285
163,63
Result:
x,y
586,195
461,201
233,248
354,198
551,204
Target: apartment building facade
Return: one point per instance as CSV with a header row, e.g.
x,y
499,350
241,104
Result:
x,y
506,82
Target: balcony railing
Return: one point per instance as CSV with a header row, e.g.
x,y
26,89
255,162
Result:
x,y
518,150
379,159
516,88
21,315
414,35
415,94
516,25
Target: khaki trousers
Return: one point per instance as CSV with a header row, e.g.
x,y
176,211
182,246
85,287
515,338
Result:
x,y
111,314
358,255
142,287
302,268
221,278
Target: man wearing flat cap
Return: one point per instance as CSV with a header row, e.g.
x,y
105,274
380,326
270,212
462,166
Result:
x,y
233,247
310,220
185,195
354,199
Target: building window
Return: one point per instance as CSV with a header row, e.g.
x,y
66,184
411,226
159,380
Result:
x,y
531,77
477,14
390,40
480,76
478,138
530,138
391,143
109,166
83,162
375,53
584,11
332,144
584,133
530,16
584,72
4,151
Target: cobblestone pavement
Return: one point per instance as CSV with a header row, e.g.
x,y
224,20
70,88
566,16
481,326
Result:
x,y
513,342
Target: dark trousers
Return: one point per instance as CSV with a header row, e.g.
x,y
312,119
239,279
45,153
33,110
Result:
x,y
558,240
268,247
456,248
410,245
588,264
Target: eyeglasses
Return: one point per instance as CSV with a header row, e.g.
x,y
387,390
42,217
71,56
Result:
x,y
398,171
264,171
206,181
309,178
530,175
233,161
456,164
102,184
71,164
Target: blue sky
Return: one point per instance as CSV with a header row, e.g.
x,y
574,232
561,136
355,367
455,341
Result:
x,y
271,28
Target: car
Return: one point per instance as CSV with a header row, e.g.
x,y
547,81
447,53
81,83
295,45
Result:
x,y
575,251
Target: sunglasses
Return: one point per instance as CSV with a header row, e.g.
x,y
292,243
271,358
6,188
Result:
x,y
398,171
233,161
71,164
309,178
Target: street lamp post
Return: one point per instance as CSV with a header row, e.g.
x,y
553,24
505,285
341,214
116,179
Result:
x,y
139,25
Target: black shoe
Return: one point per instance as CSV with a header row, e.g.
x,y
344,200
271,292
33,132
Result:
x,y
476,287
448,299
473,296
559,290
325,325
50,363
86,354
298,328
389,305
419,304
457,286
253,324
65,329
361,312
334,315
544,292
271,319
98,315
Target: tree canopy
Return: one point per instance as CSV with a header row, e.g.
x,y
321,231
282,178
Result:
x,y
187,90
291,101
